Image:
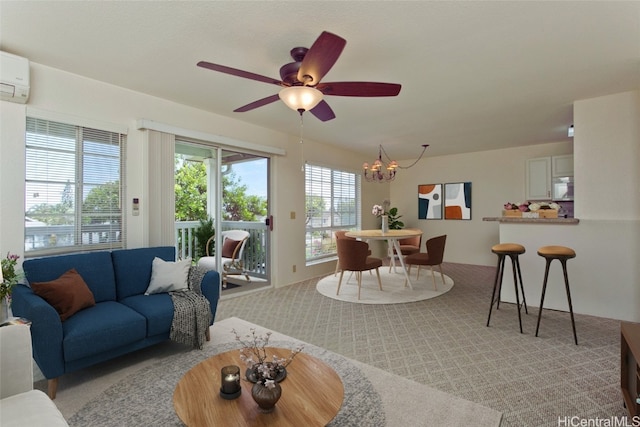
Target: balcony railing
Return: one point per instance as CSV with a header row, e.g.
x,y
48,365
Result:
x,y
47,240
254,256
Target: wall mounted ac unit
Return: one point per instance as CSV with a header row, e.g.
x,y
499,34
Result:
x,y
14,78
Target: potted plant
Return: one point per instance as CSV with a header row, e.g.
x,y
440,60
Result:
x,y
202,234
8,279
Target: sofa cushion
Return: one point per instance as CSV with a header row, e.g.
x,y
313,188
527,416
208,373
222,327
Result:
x,y
157,309
68,294
95,268
133,268
167,276
101,328
31,408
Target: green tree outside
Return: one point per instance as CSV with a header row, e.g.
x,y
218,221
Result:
x,y
191,192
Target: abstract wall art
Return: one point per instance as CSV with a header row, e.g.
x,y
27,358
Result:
x,y
457,200
430,201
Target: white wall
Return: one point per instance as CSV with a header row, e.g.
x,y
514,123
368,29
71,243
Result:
x,y
496,177
607,157
89,101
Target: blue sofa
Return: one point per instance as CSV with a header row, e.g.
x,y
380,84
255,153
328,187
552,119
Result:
x,y
122,320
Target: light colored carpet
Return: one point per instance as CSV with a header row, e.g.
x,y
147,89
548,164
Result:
x,y
393,288
138,390
444,343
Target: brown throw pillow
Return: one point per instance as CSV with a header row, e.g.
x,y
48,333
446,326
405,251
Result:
x,y
228,247
68,294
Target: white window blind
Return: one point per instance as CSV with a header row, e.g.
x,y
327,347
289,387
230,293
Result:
x,y
74,188
332,202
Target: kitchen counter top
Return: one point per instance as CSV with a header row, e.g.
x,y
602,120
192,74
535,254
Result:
x,y
507,219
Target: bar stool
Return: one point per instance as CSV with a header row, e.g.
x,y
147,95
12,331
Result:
x,y
562,254
513,250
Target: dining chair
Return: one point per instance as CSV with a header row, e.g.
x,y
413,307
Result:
x,y
433,257
353,256
408,246
341,234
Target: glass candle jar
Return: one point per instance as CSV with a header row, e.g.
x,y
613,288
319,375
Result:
x,y
230,382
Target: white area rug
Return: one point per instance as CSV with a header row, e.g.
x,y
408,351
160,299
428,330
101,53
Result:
x,y
393,288
133,393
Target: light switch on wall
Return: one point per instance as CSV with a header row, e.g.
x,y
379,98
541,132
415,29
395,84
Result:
x,y
293,215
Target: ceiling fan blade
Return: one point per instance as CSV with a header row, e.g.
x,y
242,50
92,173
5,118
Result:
x,y
323,112
239,73
320,58
258,103
368,89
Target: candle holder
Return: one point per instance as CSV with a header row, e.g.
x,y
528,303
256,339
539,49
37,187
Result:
x,y
230,382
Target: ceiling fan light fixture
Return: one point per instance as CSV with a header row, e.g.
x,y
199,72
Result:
x,y
300,97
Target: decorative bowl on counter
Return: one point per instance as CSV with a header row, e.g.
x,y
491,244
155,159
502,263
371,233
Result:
x,y
531,210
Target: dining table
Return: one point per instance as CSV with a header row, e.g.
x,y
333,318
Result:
x,y
393,238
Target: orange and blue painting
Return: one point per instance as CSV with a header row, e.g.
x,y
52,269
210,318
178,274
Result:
x,y
430,201
457,200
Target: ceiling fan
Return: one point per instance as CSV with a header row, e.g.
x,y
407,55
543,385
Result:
x,y
301,80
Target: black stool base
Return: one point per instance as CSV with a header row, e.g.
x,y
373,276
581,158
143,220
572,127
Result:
x,y
497,285
563,261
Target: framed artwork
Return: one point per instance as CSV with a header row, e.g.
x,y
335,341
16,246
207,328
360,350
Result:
x,y
457,200
430,201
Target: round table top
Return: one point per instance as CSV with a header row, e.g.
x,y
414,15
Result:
x,y
312,393
377,234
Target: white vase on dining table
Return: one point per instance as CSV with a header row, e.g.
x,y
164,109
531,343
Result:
x,y
385,224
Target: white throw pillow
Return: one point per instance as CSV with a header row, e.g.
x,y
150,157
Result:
x,y
168,276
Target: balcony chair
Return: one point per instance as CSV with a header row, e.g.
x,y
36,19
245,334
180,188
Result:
x,y
233,243
433,256
353,256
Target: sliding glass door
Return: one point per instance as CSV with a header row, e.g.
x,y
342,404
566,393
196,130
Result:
x,y
217,190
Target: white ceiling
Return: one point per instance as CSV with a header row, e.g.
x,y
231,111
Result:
x,y
475,75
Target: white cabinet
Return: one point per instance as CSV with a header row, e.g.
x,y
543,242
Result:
x,y
538,178
562,165
540,174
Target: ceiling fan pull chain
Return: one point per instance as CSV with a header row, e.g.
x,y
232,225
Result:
x,y
301,142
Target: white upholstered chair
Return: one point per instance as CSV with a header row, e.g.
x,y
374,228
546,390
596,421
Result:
x,y
233,244
20,404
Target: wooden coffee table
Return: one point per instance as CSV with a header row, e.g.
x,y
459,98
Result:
x,y
312,394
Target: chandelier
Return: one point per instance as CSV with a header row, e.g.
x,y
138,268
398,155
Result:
x,y
380,171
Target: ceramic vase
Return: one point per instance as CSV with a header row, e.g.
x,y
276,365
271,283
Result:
x,y
385,224
265,397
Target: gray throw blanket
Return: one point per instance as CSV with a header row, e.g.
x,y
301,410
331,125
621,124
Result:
x,y
192,312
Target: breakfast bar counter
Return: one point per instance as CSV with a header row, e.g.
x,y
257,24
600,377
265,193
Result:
x,y
515,220
599,289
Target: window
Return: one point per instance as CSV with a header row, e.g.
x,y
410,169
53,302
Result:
x,y
332,202
74,188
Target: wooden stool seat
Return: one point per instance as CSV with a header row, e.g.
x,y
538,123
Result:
x,y
556,252
562,254
508,248
512,250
